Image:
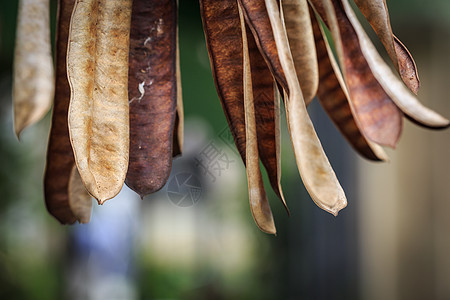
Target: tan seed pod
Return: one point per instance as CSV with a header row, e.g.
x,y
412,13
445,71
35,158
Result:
x,y
97,68
259,203
301,42
315,170
33,81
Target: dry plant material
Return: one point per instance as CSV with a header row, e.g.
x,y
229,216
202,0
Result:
x,y
266,110
377,14
317,174
65,196
33,65
257,19
333,96
178,134
226,50
395,88
378,116
258,50
152,90
301,43
97,68
259,203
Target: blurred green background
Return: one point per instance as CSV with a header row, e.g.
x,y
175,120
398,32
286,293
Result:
x,y
391,242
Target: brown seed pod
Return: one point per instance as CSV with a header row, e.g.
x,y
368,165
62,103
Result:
x,y
315,169
97,69
377,14
257,19
33,85
152,90
267,115
379,118
393,86
63,189
224,42
333,96
259,204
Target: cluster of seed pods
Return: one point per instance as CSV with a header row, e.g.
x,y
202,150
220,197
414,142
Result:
x,y
117,109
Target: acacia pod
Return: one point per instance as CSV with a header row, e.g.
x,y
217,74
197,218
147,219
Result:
x,y
395,88
376,12
301,42
80,201
257,19
178,134
259,203
224,42
152,82
97,69
379,118
315,170
267,113
33,80
63,188
333,96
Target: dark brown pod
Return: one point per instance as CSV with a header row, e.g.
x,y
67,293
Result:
x,y
225,47
152,92
257,19
333,97
379,118
224,42
59,177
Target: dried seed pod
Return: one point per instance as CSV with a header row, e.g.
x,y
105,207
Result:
x,y
224,42
317,174
267,113
63,189
333,96
259,204
377,14
178,134
301,42
97,68
225,50
257,19
33,85
395,88
152,90
379,118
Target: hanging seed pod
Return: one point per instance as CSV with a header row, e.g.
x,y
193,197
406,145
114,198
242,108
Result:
x,y
395,88
297,21
152,90
333,97
266,104
259,204
97,68
65,196
379,118
257,19
377,14
317,174
33,85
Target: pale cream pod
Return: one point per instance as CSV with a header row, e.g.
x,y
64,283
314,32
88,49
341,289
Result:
x,y
97,67
33,79
315,169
